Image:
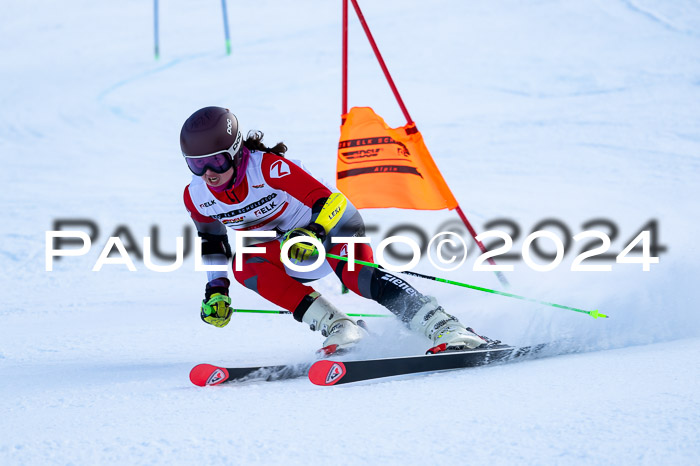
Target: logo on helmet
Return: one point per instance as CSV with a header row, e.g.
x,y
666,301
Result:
x,y
229,126
237,143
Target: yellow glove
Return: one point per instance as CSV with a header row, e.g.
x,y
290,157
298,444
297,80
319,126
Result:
x,y
301,251
217,310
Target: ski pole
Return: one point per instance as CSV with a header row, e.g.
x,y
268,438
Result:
x,y
270,311
595,314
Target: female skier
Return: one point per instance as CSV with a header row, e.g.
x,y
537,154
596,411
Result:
x,y
243,185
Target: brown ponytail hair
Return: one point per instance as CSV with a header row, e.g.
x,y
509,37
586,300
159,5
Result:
x,y
254,142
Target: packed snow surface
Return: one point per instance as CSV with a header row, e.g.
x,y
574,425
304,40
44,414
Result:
x,y
580,112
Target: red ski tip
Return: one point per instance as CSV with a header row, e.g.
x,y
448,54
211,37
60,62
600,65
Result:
x,y
326,372
206,374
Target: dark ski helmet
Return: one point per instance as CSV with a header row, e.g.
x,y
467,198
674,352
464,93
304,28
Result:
x,y
210,138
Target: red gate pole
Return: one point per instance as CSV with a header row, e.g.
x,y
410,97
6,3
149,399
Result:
x,y
409,120
345,57
499,274
361,17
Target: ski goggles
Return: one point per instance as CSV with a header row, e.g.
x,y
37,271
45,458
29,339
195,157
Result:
x,y
218,162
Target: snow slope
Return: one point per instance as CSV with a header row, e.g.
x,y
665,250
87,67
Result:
x,y
533,110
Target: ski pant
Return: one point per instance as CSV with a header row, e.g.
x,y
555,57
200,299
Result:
x,y
264,273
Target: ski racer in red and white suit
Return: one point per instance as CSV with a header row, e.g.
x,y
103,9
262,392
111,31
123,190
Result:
x,y
243,188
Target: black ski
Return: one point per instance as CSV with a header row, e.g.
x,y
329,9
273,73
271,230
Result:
x,y
328,372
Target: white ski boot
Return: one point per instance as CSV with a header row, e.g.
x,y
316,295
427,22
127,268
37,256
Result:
x,y
442,328
340,331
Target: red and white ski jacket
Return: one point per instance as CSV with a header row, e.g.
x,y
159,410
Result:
x,y
276,194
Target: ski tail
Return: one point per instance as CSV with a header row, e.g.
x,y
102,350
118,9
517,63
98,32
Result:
x,y
206,374
326,372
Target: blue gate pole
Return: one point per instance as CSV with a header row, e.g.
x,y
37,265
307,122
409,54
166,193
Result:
x,y
228,38
155,27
